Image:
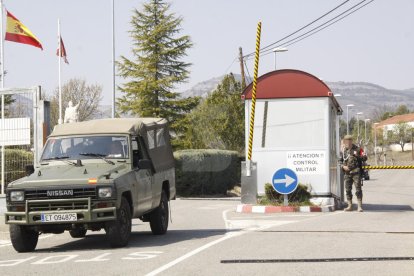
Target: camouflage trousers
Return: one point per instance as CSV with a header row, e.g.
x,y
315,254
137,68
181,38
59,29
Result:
x,y
353,179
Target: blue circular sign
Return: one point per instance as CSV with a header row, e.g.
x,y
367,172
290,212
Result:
x,y
285,181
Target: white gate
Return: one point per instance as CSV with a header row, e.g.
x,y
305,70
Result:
x,y
19,132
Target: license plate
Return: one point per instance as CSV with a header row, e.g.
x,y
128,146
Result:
x,y
59,217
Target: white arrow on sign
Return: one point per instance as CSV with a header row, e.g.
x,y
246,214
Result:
x,y
288,180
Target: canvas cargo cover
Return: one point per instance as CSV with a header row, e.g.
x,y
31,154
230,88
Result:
x,y
107,126
154,132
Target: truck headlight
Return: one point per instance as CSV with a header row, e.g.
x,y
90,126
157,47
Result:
x,y
105,192
16,195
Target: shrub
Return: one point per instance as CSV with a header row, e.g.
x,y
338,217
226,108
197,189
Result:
x,y
206,171
16,162
301,194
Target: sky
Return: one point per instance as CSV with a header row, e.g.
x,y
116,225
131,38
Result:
x,y
375,44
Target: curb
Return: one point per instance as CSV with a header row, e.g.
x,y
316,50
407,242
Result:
x,y
247,208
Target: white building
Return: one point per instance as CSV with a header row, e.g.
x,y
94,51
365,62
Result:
x,y
390,125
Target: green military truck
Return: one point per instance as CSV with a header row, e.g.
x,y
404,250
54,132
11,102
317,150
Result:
x,y
95,175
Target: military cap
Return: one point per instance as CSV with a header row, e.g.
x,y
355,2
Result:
x,y
348,137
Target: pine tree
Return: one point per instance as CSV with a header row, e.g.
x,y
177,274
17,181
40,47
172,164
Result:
x,y
156,66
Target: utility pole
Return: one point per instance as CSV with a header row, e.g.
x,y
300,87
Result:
x,y
242,68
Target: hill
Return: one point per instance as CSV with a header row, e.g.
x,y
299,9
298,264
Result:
x,y
367,97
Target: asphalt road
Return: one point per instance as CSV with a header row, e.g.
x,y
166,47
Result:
x,y
207,237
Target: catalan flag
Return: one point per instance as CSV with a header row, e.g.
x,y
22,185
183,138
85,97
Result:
x,y
17,32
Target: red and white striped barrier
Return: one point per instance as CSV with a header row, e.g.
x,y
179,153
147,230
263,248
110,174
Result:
x,y
247,208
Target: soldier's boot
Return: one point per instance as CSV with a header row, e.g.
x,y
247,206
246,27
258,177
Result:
x,y
349,208
360,206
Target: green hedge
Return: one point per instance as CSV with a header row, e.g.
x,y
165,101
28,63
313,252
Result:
x,y
206,171
16,161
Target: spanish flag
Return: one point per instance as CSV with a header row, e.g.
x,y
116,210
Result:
x,y
17,32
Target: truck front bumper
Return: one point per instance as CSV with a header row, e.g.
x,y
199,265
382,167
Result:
x,y
86,213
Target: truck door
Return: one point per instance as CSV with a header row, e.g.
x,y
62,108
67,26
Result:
x,y
144,178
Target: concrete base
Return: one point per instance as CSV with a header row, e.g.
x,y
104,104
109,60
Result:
x,y
322,201
249,184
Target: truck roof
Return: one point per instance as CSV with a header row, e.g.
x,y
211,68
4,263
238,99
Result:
x,y
132,126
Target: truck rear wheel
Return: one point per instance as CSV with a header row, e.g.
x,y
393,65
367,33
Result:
x,y
78,233
159,217
119,230
23,239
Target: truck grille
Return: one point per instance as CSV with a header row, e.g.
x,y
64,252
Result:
x,y
57,206
77,193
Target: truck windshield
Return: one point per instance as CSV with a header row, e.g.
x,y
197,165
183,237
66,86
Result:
x,y
86,147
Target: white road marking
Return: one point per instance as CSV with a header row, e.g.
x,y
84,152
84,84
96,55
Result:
x,y
143,255
59,259
248,225
64,258
96,259
15,262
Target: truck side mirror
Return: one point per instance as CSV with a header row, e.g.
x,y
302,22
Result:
x,y
145,164
29,170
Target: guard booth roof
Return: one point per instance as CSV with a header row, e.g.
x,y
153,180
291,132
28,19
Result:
x,y
289,83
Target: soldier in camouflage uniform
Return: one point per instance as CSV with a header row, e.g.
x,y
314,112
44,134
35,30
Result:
x,y
352,155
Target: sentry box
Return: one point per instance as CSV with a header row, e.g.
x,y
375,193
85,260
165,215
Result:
x,y
297,127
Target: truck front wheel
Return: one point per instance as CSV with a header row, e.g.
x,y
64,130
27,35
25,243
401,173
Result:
x,y
119,230
78,233
23,239
159,217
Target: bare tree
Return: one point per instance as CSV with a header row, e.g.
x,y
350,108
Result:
x,y
77,90
401,134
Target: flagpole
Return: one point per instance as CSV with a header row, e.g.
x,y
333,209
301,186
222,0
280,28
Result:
x,y
113,59
59,65
2,96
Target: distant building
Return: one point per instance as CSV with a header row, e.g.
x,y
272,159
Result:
x,y
390,123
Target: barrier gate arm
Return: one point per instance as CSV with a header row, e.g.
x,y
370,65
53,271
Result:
x,y
388,167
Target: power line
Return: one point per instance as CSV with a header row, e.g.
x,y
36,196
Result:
x,y
318,28
228,68
300,29
321,25
294,42
248,73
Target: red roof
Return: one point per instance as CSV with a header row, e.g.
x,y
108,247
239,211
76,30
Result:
x,y
289,83
397,119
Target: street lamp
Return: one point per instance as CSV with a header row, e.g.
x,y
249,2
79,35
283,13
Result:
x,y
375,143
365,131
279,50
358,113
347,117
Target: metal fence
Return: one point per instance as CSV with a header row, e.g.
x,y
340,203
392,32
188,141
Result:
x,y
19,132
